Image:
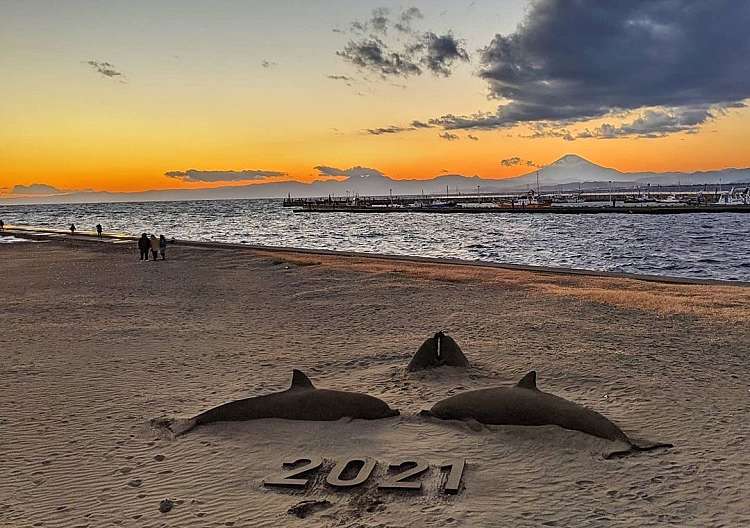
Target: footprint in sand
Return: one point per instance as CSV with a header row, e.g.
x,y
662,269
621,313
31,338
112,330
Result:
x,y
135,483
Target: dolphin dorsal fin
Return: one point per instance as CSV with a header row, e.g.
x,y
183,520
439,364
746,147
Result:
x,y
300,381
528,381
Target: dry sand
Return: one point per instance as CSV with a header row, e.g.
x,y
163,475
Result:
x,y
95,343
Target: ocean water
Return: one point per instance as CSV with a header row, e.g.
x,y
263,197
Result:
x,y
709,246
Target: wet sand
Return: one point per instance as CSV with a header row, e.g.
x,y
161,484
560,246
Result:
x,y
95,343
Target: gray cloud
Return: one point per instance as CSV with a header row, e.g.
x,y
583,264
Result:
x,y
36,188
448,136
369,50
654,123
473,138
516,161
406,18
575,61
374,55
379,20
351,173
340,78
268,64
194,175
104,68
441,52
420,124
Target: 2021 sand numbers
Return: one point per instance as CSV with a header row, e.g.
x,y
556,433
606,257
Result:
x,y
347,473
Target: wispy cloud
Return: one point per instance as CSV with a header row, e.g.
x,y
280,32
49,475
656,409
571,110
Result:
x,y
195,175
350,173
387,130
516,161
448,136
267,64
36,188
107,69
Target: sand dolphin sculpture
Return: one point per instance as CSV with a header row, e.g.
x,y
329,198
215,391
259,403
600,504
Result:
x,y
301,401
437,351
524,404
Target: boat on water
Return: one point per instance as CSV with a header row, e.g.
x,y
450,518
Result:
x,y
732,198
671,199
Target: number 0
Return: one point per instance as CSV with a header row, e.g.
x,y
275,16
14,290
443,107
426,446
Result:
x,y
334,477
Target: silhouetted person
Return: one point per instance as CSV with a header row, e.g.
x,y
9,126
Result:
x,y
2,226
154,243
72,229
143,246
99,230
163,247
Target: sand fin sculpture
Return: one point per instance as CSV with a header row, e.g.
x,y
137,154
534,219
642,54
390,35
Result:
x,y
300,381
528,381
301,401
438,351
524,404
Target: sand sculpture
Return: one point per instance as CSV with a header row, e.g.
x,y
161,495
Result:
x,y
525,404
301,401
437,351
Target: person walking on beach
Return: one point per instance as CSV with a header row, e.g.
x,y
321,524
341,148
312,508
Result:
x,y
99,230
2,226
163,247
72,229
154,242
143,246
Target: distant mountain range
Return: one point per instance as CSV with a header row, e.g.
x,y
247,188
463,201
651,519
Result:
x,y
570,171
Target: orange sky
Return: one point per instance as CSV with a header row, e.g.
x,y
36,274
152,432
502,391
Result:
x,y
179,106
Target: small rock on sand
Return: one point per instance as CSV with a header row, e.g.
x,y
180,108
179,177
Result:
x,y
166,505
305,508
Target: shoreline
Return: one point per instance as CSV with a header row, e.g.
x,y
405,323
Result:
x,y
33,233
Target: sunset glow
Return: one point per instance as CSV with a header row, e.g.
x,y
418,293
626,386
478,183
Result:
x,y
112,96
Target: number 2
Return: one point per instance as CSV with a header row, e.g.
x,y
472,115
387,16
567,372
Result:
x,y
287,480
398,480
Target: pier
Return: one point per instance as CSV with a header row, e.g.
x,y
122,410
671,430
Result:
x,y
529,209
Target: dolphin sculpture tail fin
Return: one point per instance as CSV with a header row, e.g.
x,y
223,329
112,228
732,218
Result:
x,y
173,427
638,446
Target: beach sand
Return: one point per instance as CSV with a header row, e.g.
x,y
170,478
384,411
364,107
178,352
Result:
x,y
94,344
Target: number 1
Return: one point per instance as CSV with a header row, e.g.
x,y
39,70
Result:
x,y
453,482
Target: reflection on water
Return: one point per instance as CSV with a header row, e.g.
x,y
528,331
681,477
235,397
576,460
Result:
x,y
686,245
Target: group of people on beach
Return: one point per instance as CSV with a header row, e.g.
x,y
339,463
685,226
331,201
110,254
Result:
x,y
157,246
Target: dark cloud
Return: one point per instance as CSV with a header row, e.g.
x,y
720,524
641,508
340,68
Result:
x,y
573,61
194,175
351,173
268,64
105,68
441,52
653,124
401,57
374,55
340,78
420,124
36,188
516,161
473,138
448,136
